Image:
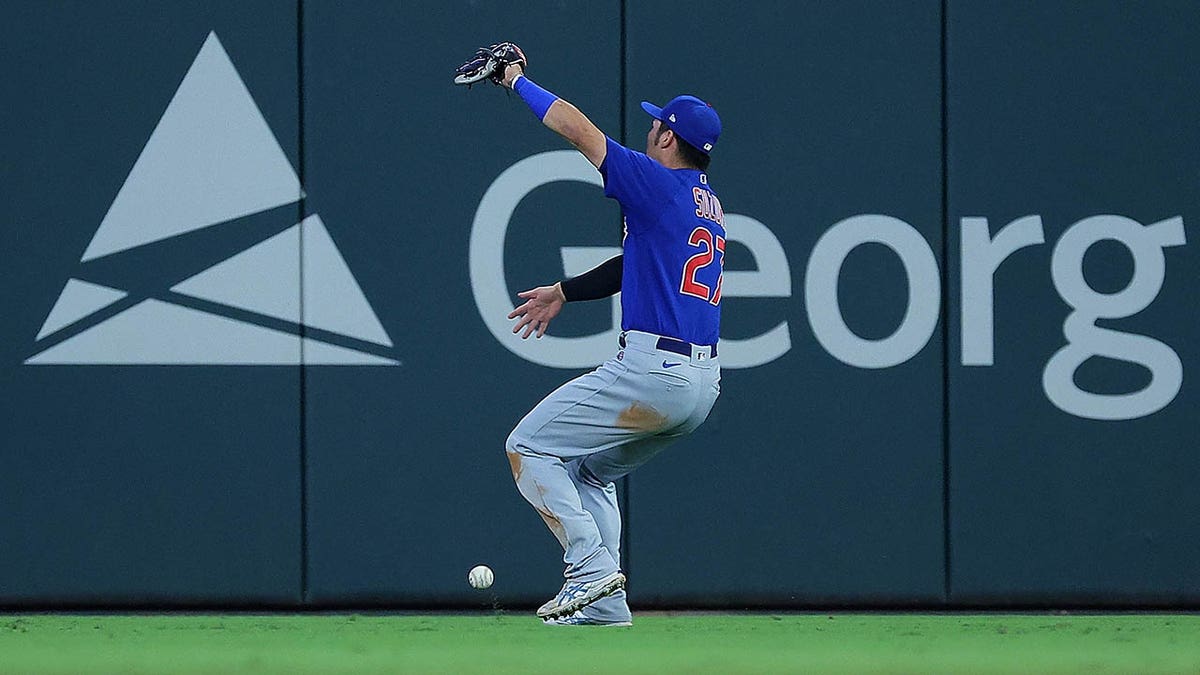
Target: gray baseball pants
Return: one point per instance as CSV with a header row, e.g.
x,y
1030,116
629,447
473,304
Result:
x,y
569,450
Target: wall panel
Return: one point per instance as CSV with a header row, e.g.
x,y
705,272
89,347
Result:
x,y
813,481
138,464
1070,111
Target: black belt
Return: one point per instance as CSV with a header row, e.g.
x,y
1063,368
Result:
x,y
672,345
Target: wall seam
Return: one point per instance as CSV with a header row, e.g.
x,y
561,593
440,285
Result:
x,y
303,370
622,46
947,545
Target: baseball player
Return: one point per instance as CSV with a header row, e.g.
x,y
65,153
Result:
x,y
662,383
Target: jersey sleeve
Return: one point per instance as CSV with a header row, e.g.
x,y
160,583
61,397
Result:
x,y
633,179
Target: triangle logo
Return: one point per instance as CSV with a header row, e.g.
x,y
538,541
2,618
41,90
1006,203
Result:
x,y
290,299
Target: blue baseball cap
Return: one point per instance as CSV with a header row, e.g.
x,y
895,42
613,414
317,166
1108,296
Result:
x,y
694,120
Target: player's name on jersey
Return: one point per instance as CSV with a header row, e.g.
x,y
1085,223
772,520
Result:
x,y
708,206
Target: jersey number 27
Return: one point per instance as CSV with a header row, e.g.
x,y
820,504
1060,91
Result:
x,y
712,245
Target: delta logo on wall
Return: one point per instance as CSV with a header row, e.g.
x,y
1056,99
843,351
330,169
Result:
x,y
288,299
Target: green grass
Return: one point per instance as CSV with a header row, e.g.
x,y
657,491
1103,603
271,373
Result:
x,y
657,643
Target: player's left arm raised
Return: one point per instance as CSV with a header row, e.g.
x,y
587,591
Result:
x,y
504,64
562,117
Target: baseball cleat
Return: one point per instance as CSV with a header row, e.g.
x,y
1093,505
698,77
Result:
x,y
578,619
575,595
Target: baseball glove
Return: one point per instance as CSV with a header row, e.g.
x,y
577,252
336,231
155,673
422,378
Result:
x,y
489,64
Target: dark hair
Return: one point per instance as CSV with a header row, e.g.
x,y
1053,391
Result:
x,y
689,153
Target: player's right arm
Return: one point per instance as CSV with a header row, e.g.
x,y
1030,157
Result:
x,y
544,303
560,116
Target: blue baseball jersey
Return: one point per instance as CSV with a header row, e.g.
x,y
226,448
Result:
x,y
674,246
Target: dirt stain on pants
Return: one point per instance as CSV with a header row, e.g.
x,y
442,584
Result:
x,y
642,418
552,522
514,461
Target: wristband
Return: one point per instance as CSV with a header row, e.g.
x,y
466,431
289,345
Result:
x,y
539,100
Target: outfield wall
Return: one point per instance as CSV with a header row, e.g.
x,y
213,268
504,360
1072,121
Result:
x,y
257,261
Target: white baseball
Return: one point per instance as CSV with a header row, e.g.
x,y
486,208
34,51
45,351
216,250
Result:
x,y
480,576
